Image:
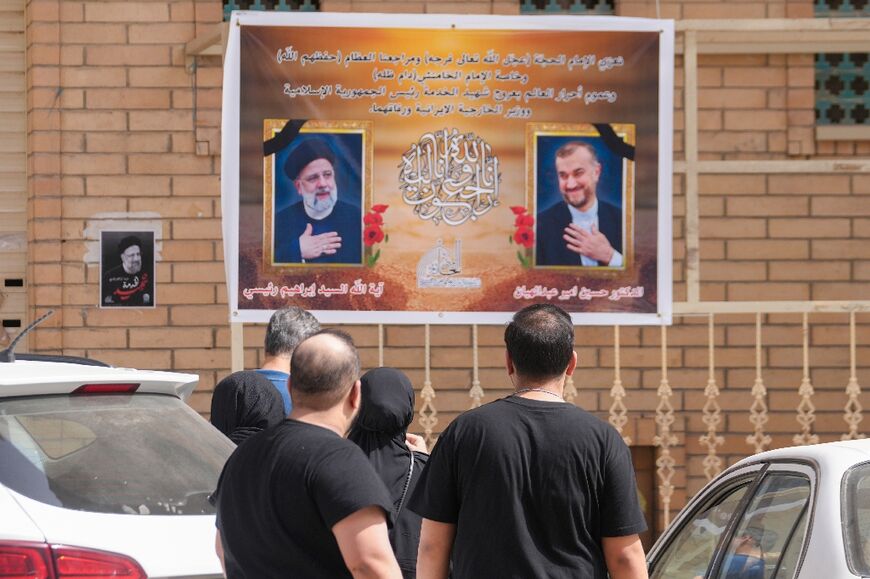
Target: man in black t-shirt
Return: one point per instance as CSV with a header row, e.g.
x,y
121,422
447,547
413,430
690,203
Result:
x,y
298,499
529,486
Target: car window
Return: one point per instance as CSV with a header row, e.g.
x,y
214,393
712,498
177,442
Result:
x,y
767,528
855,505
690,552
128,454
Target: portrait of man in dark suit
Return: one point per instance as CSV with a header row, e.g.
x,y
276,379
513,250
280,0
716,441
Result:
x,y
317,213
582,227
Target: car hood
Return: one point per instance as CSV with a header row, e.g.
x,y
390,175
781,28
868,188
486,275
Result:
x,y
165,546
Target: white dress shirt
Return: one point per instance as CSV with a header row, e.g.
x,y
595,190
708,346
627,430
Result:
x,y
586,220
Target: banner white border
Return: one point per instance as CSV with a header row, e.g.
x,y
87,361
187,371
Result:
x,y
230,152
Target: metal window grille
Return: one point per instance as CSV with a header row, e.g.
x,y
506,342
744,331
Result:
x,y
280,5
596,7
842,80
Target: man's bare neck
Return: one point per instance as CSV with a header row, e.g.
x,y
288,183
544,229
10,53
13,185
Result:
x,y
279,363
331,419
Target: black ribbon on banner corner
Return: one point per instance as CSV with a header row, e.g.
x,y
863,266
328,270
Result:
x,y
285,137
614,143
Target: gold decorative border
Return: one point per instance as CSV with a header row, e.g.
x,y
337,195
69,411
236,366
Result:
x,y
628,134
272,127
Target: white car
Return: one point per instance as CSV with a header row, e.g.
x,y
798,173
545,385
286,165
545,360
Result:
x,y
800,512
105,472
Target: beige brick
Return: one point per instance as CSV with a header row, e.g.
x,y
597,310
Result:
x,y
843,206
200,272
172,338
776,98
191,250
97,338
721,141
84,208
813,227
115,55
732,184
763,206
800,98
125,142
162,33
183,142
126,11
809,270
92,164
862,270
165,120
185,294
768,291
158,76
42,32
183,11
200,315
732,270
731,98
196,185
128,99
44,54
89,33
169,165
731,228
728,10
801,76
175,207
755,120
129,186
841,291
840,249
861,184
196,229
748,76
94,121
768,249
133,317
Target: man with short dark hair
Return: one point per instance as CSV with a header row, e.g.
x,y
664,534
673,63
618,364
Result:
x,y
299,500
584,229
528,485
320,228
240,404
287,328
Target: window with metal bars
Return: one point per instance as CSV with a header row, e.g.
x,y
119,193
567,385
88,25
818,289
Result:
x,y
596,7
280,5
842,80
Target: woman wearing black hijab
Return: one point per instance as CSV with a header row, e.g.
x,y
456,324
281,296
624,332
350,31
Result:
x,y
245,403
381,430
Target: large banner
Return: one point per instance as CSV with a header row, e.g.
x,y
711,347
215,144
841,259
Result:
x,y
448,169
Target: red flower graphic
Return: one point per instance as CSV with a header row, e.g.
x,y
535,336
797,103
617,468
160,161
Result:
x,y
518,210
524,220
524,236
373,218
373,234
380,208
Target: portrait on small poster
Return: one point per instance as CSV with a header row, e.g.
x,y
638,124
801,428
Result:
x,y
583,191
127,269
314,189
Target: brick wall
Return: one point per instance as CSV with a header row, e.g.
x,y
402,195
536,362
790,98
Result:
x,y
122,128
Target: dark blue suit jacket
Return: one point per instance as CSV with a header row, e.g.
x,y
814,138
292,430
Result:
x,y
345,219
551,249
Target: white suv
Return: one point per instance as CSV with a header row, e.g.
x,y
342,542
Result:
x,y
104,471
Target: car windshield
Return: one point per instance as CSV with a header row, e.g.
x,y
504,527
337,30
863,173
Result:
x,y
856,518
129,454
